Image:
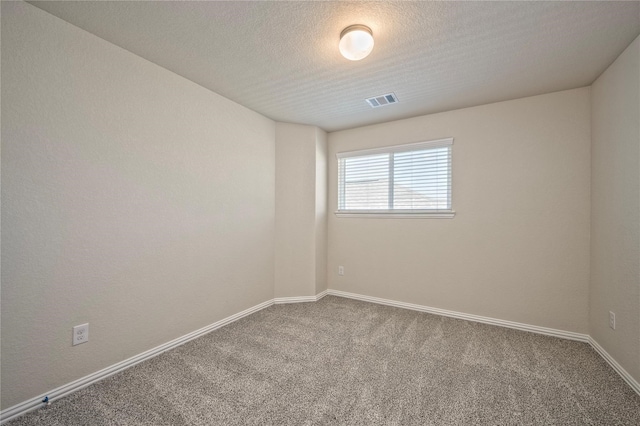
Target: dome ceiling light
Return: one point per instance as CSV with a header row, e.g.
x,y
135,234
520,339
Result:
x,y
356,42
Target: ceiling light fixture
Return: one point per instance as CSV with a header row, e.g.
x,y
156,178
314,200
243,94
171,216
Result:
x,y
356,42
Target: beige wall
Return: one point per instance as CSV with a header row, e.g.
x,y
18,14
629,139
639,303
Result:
x,y
295,210
615,207
300,210
518,247
132,199
321,211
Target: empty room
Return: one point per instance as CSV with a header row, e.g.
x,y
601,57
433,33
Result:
x,y
320,212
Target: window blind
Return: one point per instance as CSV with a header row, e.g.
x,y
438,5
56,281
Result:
x,y
413,178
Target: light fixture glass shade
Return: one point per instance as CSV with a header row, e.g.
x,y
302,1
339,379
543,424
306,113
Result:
x,y
356,42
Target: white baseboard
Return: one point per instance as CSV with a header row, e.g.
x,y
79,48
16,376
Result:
x,y
469,317
614,364
299,299
296,299
322,294
34,403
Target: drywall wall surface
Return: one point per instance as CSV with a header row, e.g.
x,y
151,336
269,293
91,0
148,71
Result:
x,y
518,246
295,210
321,211
615,207
301,218
132,199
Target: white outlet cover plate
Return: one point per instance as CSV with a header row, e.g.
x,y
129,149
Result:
x,y
80,334
612,320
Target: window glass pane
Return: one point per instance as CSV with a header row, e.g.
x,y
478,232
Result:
x,y
366,182
421,179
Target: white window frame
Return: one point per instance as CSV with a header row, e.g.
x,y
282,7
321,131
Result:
x,y
399,213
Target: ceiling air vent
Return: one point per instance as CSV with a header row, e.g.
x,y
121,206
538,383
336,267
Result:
x,y
382,100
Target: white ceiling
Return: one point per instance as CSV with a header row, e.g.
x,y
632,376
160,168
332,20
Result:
x,y
281,59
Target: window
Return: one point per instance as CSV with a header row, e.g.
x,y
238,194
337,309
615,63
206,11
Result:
x,y
411,180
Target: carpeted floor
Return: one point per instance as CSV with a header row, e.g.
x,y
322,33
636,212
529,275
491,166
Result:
x,y
340,361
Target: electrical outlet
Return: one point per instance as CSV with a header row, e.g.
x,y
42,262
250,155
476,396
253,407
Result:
x,y
340,270
612,320
80,334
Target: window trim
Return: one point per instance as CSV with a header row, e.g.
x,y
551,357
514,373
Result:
x,y
394,214
397,148
398,213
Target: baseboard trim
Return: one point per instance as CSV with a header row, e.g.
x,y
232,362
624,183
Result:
x,y
469,317
614,364
64,390
299,299
322,294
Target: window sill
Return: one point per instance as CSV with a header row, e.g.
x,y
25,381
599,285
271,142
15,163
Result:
x,y
404,214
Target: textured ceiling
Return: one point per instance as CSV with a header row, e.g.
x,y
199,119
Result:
x,y
281,58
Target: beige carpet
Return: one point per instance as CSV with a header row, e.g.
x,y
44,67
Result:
x,y
340,361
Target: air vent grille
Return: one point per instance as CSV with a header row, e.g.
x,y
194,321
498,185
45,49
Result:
x,y
382,100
